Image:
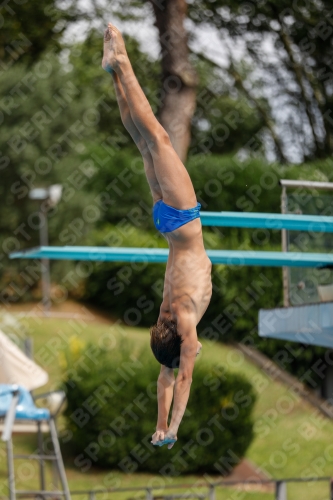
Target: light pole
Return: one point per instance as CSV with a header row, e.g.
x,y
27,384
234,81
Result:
x,y
49,197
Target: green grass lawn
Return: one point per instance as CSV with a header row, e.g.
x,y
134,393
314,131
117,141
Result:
x,y
292,439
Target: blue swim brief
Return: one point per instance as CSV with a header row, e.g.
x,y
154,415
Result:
x,y
167,219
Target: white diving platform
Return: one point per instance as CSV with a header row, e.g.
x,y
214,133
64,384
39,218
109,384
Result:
x,y
307,324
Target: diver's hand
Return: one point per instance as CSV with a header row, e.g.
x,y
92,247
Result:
x,y
164,436
158,435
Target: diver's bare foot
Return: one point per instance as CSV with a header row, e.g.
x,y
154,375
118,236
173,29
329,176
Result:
x,y
114,49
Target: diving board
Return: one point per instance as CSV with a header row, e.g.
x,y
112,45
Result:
x,y
160,255
291,222
308,324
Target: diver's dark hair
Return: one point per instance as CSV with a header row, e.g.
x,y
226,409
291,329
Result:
x,y
165,343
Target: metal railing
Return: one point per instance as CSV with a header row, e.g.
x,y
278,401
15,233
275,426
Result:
x,y
285,184
150,493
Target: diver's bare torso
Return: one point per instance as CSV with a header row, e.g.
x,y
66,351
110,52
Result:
x,y
188,283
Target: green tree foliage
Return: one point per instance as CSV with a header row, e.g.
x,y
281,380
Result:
x,y
116,389
28,28
223,121
45,126
42,143
54,116
85,60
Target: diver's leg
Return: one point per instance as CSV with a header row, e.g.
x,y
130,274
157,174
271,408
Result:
x,y
137,138
173,179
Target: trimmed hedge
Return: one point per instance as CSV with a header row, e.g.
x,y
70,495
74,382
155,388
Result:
x,y
112,412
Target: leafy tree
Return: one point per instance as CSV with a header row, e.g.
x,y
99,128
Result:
x,y
300,75
62,125
46,129
85,61
28,28
224,122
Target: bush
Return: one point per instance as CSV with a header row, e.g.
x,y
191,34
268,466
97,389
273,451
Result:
x,y
112,413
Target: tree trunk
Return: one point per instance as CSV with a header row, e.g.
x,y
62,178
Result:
x,y
179,79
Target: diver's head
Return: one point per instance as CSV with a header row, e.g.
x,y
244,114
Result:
x,y
165,342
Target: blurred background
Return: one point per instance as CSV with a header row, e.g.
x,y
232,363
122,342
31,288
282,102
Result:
x,y
249,87
245,91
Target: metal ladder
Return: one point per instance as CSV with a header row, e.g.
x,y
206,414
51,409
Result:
x,y
41,456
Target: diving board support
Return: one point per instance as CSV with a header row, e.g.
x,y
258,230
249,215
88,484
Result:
x,y
284,242
296,184
160,255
